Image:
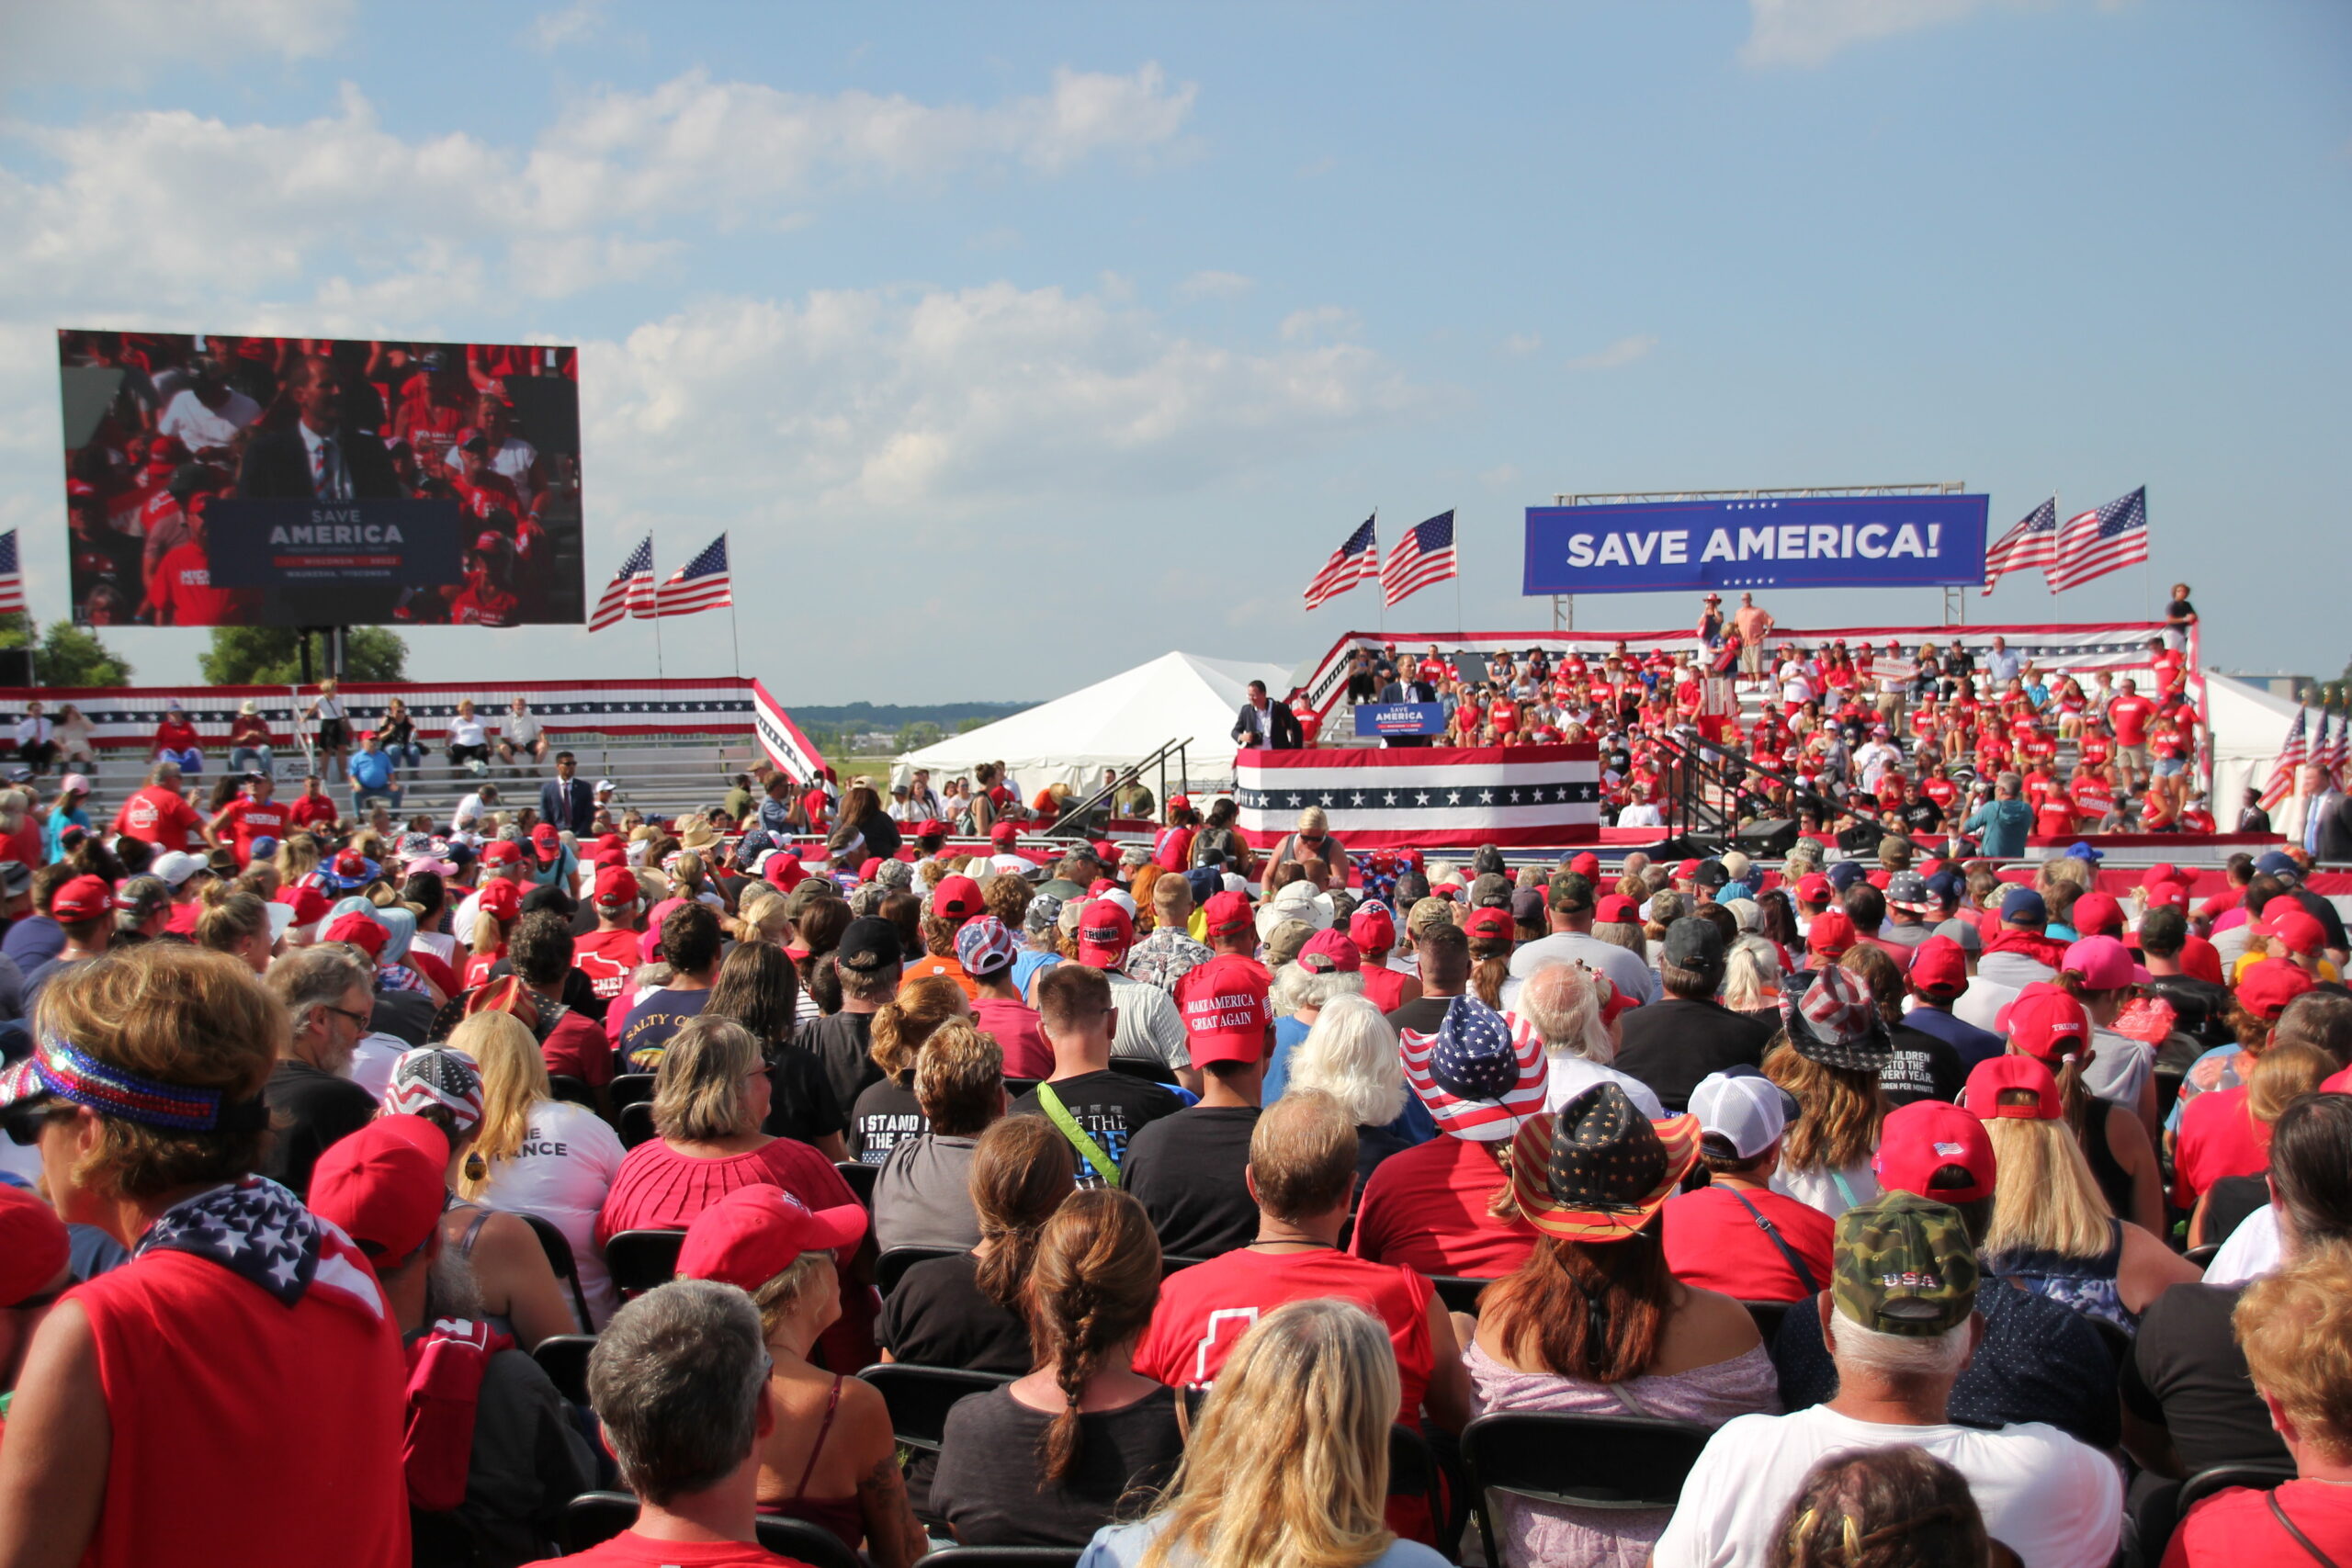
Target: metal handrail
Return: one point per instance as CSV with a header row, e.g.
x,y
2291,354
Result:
x,y
1065,822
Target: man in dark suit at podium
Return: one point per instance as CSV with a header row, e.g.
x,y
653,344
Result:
x,y
317,457
1266,723
1408,687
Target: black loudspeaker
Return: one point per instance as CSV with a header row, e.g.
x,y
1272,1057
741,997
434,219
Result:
x,y
1862,837
1769,838
15,666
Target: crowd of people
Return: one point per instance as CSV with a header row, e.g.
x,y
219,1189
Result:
x,y
189,422
1959,1211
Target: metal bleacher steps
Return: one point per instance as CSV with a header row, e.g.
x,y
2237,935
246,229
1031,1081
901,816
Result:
x,y
657,777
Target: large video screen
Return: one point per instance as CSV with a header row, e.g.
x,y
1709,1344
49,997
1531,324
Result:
x,y
215,481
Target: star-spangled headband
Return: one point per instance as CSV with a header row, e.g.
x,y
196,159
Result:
x,y
70,1073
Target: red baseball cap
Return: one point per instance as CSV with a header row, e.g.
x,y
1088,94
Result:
x,y
784,871
1831,933
868,867
1226,913
1616,909
2096,914
382,1187
1814,889
615,886
610,854
82,898
2166,895
1687,871
1105,933
310,905
1005,833
2045,1023
547,843
360,931
1920,1139
2268,986
1939,968
502,900
1587,865
2155,874
756,1233
1226,1011
956,898
2293,925
502,851
1988,1078
1372,929
1485,924
1329,951
34,1246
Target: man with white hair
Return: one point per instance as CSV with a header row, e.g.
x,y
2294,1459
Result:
x,y
1901,1316
1561,1003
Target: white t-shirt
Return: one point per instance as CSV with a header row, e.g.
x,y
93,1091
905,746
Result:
x,y
2251,1252
1642,814
372,1061
1820,1188
198,427
464,731
2054,1502
567,1165
1571,1076
1624,968
520,728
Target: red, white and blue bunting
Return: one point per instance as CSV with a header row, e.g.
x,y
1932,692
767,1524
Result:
x,y
125,717
1425,798
785,746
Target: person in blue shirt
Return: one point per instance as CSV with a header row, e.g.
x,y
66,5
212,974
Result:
x,y
65,812
2001,826
372,774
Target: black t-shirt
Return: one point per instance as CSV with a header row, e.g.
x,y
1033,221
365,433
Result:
x,y
1923,815
1924,1068
2229,1200
842,1042
2038,1361
937,1316
1671,1043
800,1100
1111,1107
1186,1171
310,1111
2188,1375
2180,610
989,1482
885,1113
1422,1015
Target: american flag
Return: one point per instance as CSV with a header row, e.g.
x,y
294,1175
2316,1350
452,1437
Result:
x,y
12,577
1425,555
2033,542
2093,544
1348,565
703,583
631,586
2335,742
2292,752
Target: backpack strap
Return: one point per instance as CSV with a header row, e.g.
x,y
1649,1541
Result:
x,y
2278,1513
1797,1264
1080,1139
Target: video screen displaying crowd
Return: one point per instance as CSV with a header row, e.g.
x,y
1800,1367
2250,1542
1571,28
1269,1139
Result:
x,y
1194,1205
1932,736
198,419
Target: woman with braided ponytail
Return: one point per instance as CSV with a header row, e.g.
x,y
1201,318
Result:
x,y
1045,1460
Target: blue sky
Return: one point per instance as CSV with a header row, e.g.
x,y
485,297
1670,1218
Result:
x,y
1018,344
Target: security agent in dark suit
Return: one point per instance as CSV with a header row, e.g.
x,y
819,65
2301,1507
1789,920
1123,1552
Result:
x,y
1262,722
1408,687
566,801
319,457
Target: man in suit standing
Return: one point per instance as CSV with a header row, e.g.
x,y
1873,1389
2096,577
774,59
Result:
x,y
1408,687
1267,724
565,800
319,458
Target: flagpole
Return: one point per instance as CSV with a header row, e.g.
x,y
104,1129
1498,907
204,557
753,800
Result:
x,y
1377,584
1461,632
660,672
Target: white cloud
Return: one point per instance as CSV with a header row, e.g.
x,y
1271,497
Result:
x,y
1500,476
1617,355
1520,345
1214,285
119,43
1317,321
1808,32
577,23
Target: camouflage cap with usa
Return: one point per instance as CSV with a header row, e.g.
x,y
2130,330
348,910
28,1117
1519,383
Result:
x,y
1903,1265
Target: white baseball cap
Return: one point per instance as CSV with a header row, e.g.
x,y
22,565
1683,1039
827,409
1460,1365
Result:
x,y
604,786
1742,1109
175,866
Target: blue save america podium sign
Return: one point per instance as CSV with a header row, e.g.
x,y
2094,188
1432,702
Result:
x,y
327,544
1400,719
1842,541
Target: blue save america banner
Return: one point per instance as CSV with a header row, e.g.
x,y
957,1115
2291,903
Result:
x,y
1875,541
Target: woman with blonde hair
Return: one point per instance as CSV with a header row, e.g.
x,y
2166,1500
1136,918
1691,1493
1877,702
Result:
x,y
1288,1461
1083,1430
1350,1054
1833,1044
535,1154
235,923
2051,1229
1752,977
2046,1022
889,1111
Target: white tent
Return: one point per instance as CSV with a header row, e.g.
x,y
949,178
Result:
x,y
1113,724
2248,725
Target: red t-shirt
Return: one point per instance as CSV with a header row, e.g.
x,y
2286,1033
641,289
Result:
x,y
1943,792
160,816
2093,797
2218,1137
630,1550
478,965
577,1046
312,811
2054,816
2234,1528
247,820
1014,1025
608,959
1426,1209
2037,787
1714,1244
1203,1311
210,1382
1384,986
184,593
659,1188
2129,716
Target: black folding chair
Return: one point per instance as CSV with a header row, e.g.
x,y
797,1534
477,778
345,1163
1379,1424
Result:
x,y
558,1247
860,1178
594,1518
1013,1090
892,1265
2203,1255
564,1359
1144,1067
1459,1294
631,1088
799,1539
635,1124
1006,1556
1170,1263
1767,1316
920,1397
572,1090
1579,1461
638,1260
2205,1482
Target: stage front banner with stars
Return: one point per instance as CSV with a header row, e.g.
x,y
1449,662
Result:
x,y
1437,798
1756,541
